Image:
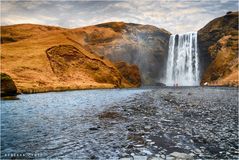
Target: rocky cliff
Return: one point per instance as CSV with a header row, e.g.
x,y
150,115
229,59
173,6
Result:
x,y
41,58
218,44
143,45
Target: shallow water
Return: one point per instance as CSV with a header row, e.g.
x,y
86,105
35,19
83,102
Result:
x,y
198,122
53,124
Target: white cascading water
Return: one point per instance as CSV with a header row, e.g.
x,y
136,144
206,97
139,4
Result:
x,y
183,61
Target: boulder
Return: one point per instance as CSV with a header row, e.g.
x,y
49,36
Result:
x,y
181,156
8,87
160,84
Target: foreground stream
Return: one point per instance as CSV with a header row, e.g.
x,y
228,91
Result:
x,y
163,123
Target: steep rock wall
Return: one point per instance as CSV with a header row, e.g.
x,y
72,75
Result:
x,y
218,44
143,45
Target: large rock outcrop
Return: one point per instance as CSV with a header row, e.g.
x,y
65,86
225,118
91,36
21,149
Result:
x,y
143,45
8,87
218,44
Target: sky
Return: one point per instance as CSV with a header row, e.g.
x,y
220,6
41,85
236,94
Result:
x,y
176,16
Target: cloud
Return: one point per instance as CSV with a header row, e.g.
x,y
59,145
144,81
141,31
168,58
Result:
x,y
20,19
173,15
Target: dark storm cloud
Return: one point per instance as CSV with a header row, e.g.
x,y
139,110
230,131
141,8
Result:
x,y
175,16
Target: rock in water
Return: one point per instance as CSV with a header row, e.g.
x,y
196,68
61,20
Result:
x,y
111,115
8,87
180,156
140,157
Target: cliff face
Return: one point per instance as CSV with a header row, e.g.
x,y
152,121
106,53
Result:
x,y
218,44
131,73
51,60
143,45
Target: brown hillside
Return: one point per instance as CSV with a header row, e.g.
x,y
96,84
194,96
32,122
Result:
x,y
129,72
218,42
18,32
143,45
43,61
70,64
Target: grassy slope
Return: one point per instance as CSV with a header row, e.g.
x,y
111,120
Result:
x,y
26,62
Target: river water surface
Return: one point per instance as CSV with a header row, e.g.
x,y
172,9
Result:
x,y
151,123
53,124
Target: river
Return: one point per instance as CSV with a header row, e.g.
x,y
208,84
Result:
x,y
150,123
52,124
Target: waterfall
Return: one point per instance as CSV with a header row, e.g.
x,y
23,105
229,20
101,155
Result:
x,y
183,62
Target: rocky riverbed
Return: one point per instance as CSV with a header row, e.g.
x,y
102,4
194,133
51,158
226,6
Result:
x,y
160,123
169,123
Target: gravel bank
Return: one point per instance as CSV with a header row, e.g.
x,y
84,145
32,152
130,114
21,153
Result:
x,y
169,123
